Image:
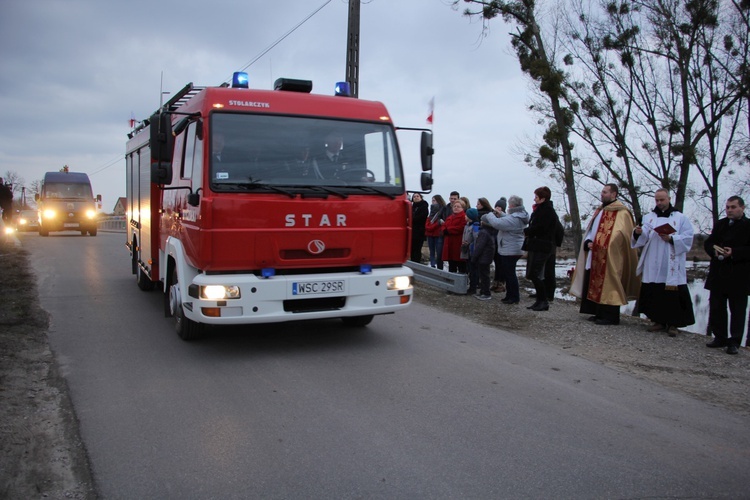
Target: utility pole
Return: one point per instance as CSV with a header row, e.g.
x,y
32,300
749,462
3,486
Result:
x,y
352,48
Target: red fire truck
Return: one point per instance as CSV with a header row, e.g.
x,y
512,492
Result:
x,y
249,206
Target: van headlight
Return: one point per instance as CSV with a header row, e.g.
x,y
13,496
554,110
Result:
x,y
220,292
399,283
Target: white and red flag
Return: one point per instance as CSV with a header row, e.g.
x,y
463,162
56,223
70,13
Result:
x,y
431,111
132,119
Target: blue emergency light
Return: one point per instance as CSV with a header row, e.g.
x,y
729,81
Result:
x,y
268,272
365,268
239,80
342,89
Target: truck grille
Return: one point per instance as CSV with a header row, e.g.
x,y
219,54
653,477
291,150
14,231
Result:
x,y
311,305
333,253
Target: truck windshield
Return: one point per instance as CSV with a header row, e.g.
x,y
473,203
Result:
x,y
67,190
249,151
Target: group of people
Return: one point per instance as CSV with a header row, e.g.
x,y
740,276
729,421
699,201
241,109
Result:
x,y
470,239
619,260
609,271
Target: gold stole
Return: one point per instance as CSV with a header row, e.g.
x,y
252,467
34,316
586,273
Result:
x,y
599,255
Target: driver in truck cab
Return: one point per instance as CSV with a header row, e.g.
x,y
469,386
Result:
x,y
330,160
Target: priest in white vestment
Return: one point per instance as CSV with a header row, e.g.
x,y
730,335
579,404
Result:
x,y
666,237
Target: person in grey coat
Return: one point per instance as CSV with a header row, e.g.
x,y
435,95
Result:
x,y
499,284
510,236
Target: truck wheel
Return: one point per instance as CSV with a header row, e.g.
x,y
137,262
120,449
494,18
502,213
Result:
x,y
186,329
43,231
357,320
92,232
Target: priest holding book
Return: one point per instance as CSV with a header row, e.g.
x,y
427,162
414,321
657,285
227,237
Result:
x,y
666,237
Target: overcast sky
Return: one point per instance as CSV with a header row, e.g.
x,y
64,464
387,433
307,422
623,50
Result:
x,y
73,71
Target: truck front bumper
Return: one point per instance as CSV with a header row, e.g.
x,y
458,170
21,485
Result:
x,y
299,297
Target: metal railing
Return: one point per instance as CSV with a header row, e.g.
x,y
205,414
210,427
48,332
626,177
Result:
x,y
451,282
114,223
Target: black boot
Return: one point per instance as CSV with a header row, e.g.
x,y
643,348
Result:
x,y
717,343
542,306
539,295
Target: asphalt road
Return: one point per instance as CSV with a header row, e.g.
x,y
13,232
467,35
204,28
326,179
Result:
x,y
420,404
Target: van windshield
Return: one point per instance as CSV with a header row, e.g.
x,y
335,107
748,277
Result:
x,y
67,190
251,151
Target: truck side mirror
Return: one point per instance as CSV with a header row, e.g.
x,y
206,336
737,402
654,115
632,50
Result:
x,y
161,138
161,173
99,198
194,199
426,151
426,181
162,146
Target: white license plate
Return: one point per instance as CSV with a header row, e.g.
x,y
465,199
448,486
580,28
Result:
x,y
71,224
318,287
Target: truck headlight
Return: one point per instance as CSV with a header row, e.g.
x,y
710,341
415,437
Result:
x,y
399,283
220,292
49,214
90,214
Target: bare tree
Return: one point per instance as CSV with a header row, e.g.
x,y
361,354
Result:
x,y
16,186
737,47
653,91
34,189
600,96
11,177
720,154
683,34
532,50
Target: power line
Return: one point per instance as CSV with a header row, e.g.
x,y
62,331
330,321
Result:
x,y
280,39
253,61
109,164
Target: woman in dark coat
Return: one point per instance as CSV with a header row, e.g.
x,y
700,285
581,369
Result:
x,y
540,241
419,211
434,232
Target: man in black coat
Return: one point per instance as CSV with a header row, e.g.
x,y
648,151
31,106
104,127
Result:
x,y
729,275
